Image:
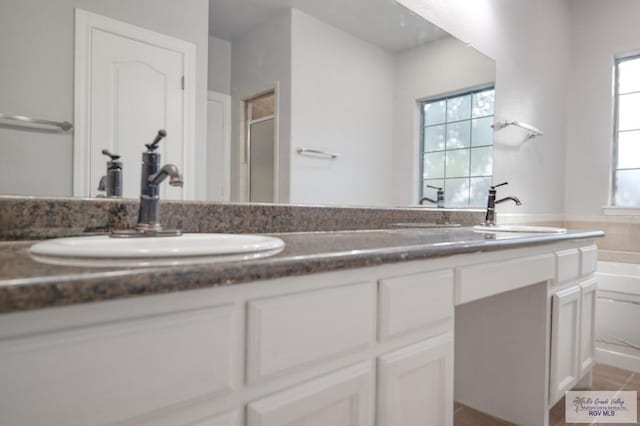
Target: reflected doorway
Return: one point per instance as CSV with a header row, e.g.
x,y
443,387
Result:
x,y
261,148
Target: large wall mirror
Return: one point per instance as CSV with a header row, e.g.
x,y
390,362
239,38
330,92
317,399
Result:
x,y
340,102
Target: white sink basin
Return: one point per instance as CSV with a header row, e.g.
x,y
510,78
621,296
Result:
x,y
520,228
185,249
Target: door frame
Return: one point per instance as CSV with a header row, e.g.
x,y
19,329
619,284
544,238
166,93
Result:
x,y
86,23
225,100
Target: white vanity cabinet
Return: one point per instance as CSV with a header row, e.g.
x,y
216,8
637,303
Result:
x,y
573,301
305,351
358,347
524,330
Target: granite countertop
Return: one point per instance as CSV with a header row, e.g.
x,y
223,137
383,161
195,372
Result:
x,y
26,284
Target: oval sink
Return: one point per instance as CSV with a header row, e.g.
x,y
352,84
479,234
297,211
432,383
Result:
x,y
520,228
154,251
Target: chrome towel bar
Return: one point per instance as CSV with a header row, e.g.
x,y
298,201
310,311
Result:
x,y
331,155
533,131
33,122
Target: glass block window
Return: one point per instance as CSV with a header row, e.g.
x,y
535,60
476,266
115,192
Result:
x,y
626,158
457,147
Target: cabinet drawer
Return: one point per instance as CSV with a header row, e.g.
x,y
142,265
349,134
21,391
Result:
x,y
107,373
567,265
589,259
302,329
412,302
478,281
343,398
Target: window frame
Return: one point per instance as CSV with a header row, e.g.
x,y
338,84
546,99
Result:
x,y
616,132
445,96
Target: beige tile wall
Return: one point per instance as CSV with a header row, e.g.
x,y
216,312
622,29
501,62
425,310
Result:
x,y
622,240
622,233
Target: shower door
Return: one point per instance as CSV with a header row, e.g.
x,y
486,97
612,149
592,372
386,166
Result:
x,y
261,160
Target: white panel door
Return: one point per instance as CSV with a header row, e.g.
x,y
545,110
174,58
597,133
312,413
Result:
x,y
587,325
343,398
136,90
218,146
416,384
129,84
565,333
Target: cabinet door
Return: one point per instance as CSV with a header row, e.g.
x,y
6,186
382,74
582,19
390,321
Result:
x,y
416,384
339,399
565,332
587,325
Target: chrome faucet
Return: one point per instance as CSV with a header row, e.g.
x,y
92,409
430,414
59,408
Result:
x,y
111,183
152,176
490,217
439,201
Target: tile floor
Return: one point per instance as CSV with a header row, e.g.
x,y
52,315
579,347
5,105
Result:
x,y
604,378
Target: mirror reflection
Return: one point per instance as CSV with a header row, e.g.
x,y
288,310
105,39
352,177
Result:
x,y
350,102
457,141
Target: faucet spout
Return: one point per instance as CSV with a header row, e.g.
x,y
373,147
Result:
x,y
427,199
439,201
168,170
516,200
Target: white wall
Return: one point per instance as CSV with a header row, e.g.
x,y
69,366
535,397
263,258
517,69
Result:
x,y
600,32
219,65
342,101
445,65
530,42
37,48
261,59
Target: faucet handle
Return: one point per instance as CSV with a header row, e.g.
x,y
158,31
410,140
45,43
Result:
x,y
434,187
108,153
154,145
500,184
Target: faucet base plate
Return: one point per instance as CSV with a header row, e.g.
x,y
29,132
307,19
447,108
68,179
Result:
x,y
145,233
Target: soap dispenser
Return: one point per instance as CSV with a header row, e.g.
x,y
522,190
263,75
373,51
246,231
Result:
x,y
111,183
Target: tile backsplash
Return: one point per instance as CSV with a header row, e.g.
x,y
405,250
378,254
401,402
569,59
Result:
x,y
30,218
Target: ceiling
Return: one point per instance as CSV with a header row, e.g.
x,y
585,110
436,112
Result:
x,y
384,23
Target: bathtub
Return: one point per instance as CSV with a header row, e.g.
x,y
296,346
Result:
x,y
618,315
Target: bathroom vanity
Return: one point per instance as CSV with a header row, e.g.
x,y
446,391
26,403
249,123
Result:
x,y
355,328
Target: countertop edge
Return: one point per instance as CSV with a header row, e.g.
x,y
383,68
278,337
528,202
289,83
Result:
x,y
24,294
